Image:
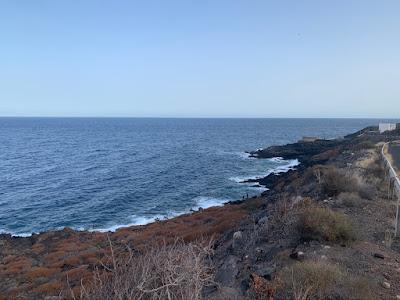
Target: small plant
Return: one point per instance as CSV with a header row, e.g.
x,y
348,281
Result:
x,y
318,223
389,236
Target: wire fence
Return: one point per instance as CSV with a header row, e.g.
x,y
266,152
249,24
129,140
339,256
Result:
x,y
393,184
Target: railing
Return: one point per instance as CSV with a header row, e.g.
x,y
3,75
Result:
x,y
393,187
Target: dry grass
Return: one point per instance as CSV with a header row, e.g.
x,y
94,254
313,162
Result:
x,y
350,200
322,280
335,181
177,271
319,223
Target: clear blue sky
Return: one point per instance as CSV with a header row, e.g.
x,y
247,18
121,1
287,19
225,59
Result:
x,y
200,58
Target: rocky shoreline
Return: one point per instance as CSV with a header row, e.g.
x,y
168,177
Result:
x,y
255,240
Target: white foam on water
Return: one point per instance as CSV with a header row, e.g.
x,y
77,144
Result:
x,y
200,201
259,188
206,202
290,165
136,220
241,179
277,159
13,234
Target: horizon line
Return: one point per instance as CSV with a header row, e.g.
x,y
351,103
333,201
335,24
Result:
x,y
191,117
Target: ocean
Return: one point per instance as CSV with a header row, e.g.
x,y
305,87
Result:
x,y
106,173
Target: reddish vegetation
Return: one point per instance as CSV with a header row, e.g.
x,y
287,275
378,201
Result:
x,y
51,262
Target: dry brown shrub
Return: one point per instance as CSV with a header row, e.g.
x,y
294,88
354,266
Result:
x,y
191,227
320,223
176,271
49,289
253,204
336,181
73,260
322,280
56,256
20,265
264,290
350,200
38,272
38,248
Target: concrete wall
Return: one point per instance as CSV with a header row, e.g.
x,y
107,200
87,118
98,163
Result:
x,y
386,127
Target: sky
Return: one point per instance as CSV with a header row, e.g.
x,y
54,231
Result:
x,y
205,58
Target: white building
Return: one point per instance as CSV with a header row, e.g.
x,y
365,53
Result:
x,y
386,127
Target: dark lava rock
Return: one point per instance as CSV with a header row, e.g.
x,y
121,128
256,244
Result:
x,y
379,255
298,255
266,273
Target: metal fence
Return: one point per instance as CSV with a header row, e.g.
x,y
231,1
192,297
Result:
x,y
393,185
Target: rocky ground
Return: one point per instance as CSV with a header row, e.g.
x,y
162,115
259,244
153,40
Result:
x,y
323,231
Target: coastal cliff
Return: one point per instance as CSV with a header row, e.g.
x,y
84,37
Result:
x,y
322,230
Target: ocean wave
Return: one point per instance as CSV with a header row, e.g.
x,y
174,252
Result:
x,y
206,202
200,202
276,159
290,165
14,234
245,155
136,221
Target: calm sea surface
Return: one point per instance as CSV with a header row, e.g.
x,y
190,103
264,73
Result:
x,y
94,173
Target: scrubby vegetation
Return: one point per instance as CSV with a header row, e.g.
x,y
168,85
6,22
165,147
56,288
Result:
x,y
336,181
322,280
350,199
177,271
323,224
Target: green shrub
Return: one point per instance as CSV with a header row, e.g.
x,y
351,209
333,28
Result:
x,y
323,224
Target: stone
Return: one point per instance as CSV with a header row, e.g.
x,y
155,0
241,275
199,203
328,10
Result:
x,y
398,297
379,255
237,235
226,274
237,240
263,221
298,255
265,273
386,285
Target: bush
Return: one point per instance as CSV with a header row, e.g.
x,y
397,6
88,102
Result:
x,y
375,168
177,271
336,181
322,280
323,224
367,191
364,145
350,199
